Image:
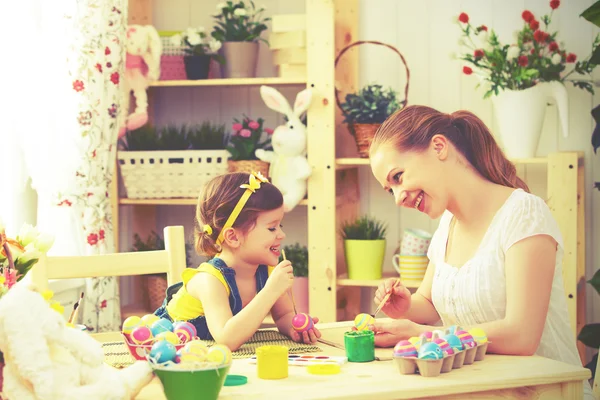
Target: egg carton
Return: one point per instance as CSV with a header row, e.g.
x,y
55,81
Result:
x,y
432,368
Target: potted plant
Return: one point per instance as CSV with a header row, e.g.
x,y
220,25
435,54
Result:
x,y
238,26
365,111
298,256
199,51
364,247
519,77
173,161
246,137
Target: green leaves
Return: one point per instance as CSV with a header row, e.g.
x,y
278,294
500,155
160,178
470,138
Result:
x,y
595,281
205,136
363,228
243,142
239,22
590,335
298,256
371,105
592,13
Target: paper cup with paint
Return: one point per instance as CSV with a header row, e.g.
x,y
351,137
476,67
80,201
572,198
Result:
x,y
415,242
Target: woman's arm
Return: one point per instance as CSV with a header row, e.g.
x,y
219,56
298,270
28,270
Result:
x,y
529,266
232,331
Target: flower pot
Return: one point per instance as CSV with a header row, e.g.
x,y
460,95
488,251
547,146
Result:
x,y
364,258
363,134
197,66
300,291
520,115
240,59
249,166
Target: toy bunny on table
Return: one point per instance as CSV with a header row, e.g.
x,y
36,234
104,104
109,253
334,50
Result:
x,y
289,167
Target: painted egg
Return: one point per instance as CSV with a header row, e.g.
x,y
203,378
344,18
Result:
x,y
302,322
404,348
194,351
362,321
430,351
177,358
149,319
452,329
162,325
466,339
188,326
416,341
131,323
163,351
444,345
168,336
479,335
454,342
219,354
183,335
141,335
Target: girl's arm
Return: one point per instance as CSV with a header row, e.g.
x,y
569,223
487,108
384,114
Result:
x,y
529,266
232,331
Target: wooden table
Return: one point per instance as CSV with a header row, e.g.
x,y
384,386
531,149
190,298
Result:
x,y
494,377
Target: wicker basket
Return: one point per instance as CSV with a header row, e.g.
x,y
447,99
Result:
x,y
363,133
169,174
157,289
249,166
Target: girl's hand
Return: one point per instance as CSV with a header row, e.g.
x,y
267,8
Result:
x,y
309,336
282,278
398,303
390,332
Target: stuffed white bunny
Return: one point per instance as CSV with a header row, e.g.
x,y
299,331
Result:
x,y
289,167
46,360
142,65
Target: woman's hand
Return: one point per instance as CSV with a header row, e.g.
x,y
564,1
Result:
x,y
309,336
390,332
398,303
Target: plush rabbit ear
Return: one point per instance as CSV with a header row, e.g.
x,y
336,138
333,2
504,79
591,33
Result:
x,y
275,100
302,102
152,56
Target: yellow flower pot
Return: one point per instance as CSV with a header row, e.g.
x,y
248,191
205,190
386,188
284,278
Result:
x,y
364,258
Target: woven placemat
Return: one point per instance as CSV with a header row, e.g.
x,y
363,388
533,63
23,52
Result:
x,y
117,354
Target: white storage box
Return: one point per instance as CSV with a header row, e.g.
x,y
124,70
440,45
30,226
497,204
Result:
x,y
169,174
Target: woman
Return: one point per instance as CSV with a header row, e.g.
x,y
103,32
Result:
x,y
495,259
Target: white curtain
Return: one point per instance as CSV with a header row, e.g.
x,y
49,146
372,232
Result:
x,y
64,86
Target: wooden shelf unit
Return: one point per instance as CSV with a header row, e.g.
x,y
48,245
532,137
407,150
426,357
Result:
x,y
275,81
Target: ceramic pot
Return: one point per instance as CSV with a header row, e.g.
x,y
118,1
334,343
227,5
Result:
x,y
240,59
197,66
364,258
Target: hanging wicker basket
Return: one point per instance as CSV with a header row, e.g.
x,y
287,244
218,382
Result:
x,y
364,132
249,166
157,287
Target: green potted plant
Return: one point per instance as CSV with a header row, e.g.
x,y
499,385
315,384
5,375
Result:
x,y
298,256
244,139
238,26
364,247
207,136
366,110
590,333
199,49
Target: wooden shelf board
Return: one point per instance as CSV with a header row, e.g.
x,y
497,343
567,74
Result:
x,y
230,82
170,202
342,163
344,281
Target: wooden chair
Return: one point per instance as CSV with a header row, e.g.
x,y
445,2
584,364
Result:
x,y
170,260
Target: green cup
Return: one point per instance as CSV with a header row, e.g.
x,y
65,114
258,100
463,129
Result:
x,y
193,384
360,345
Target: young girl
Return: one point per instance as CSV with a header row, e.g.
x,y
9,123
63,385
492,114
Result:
x,y
495,261
238,226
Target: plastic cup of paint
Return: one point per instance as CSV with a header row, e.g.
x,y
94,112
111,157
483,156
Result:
x,y
360,346
272,362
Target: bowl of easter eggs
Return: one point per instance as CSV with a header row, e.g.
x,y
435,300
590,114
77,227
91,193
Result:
x,y
436,352
151,334
194,372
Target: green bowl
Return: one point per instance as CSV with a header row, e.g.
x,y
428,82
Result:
x,y
193,384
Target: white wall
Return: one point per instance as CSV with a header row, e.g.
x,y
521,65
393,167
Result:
x,y
426,35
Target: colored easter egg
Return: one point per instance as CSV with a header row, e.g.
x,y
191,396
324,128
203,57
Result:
x,y
194,351
466,339
149,319
452,329
188,326
362,321
454,342
219,354
183,335
163,351
177,358
130,324
162,325
444,345
302,322
430,351
416,341
404,348
479,335
141,335
168,336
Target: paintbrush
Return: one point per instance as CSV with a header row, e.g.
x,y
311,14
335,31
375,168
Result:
x,y
75,311
332,344
385,299
290,291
